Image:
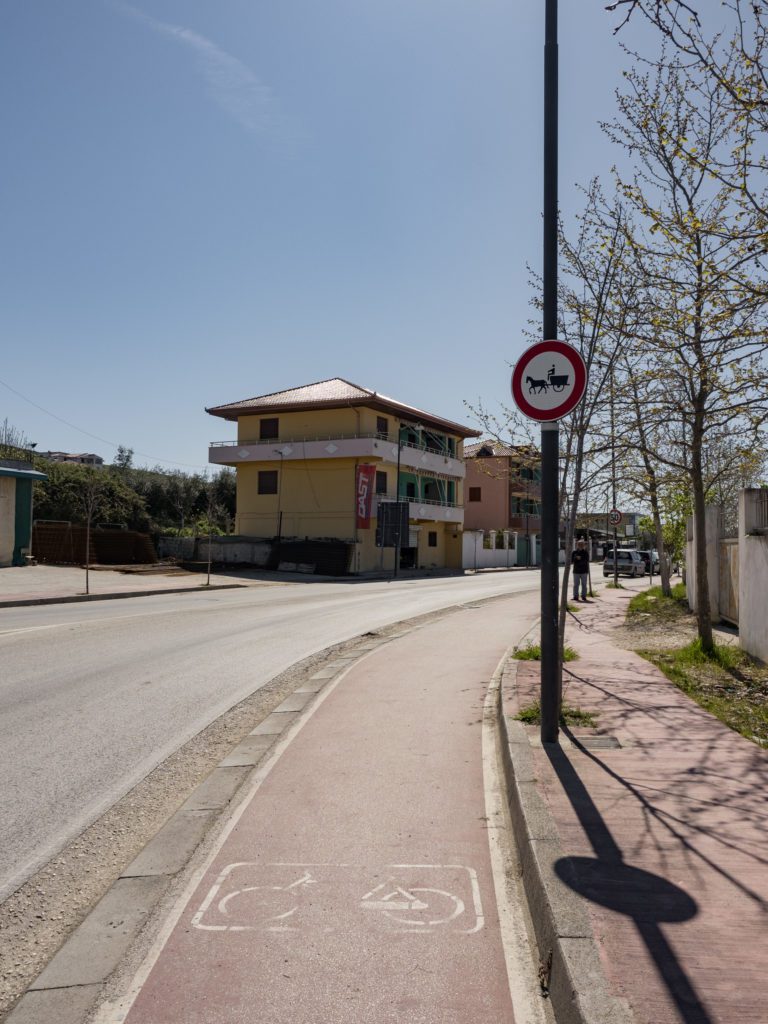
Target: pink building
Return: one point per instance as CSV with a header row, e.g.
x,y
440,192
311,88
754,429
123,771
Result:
x,y
502,493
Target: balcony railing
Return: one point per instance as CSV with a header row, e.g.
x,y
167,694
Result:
x,y
334,437
419,501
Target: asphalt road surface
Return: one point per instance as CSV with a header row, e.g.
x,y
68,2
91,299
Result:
x,y
94,696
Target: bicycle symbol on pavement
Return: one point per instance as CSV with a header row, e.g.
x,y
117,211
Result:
x,y
287,898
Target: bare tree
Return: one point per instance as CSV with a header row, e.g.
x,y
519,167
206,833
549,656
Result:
x,y
700,274
730,57
91,497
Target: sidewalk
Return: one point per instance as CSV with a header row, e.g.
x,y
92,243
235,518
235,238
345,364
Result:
x,y
51,584
656,819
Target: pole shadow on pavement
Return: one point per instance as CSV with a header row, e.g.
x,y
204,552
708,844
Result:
x,y
648,899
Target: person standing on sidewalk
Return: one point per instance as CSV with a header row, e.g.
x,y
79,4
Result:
x,y
580,569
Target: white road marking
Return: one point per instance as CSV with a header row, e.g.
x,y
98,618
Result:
x,y
430,908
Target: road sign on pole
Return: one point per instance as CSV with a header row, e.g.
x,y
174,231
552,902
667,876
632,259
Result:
x,y
614,517
549,380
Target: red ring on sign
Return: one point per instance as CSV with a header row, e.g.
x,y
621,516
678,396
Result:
x,y
579,380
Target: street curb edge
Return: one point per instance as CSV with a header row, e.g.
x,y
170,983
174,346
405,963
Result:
x,y
577,984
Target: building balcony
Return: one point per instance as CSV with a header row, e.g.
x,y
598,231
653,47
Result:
x,y
344,446
427,510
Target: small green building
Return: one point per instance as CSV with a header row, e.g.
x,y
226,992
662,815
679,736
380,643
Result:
x,y
17,477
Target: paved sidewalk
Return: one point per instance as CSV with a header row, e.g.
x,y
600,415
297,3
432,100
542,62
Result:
x,y
659,821
59,583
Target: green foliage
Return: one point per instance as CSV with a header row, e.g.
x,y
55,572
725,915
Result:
x,y
532,652
61,496
150,500
653,602
531,715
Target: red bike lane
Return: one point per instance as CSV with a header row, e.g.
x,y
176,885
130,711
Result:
x,y
355,884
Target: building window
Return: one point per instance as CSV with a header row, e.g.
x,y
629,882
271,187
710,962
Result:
x,y
475,493
269,429
410,490
382,426
267,481
381,481
432,538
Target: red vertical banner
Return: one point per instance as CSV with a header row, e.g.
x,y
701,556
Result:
x,y
364,484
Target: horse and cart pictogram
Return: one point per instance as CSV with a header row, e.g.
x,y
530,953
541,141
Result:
x,y
555,381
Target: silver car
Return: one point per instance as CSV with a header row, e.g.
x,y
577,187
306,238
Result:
x,y
628,563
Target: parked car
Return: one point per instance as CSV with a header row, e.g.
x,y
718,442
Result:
x,y
628,563
651,559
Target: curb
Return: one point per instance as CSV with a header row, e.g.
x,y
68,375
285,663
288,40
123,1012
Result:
x,y
77,598
569,953
68,988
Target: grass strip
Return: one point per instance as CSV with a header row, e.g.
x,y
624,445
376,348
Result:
x,y
728,683
532,652
531,715
657,604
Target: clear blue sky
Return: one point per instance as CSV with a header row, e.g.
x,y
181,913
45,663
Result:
x,y
204,200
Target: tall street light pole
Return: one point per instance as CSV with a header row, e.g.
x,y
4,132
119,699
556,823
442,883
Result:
x,y
398,527
550,435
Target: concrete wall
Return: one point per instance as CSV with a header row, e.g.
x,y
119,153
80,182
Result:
x,y
712,527
224,550
753,573
476,556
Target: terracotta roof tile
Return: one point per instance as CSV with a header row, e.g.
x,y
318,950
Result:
x,y
495,449
327,394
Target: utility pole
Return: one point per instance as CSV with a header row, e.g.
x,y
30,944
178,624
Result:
x,y
550,434
613,483
398,538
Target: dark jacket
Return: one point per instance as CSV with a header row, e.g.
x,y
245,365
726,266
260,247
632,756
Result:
x,y
580,560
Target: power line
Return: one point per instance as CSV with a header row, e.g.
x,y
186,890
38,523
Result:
x,y
145,455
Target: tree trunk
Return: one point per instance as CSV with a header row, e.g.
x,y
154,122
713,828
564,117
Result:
x,y
703,610
653,494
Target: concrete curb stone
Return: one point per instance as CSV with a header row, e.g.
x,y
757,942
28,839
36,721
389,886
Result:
x,y
116,595
96,946
577,984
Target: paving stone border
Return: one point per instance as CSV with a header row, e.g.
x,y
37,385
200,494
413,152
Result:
x,y
570,958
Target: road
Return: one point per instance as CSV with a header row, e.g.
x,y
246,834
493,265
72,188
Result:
x,y
94,696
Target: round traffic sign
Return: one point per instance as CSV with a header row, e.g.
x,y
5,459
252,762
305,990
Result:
x,y
614,517
549,380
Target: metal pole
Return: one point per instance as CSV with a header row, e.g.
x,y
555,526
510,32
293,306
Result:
x,y
397,495
550,435
613,485
279,496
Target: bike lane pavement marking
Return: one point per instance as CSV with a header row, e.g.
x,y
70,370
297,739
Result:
x,y
388,911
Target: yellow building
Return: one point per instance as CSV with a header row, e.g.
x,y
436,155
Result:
x,y
317,462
